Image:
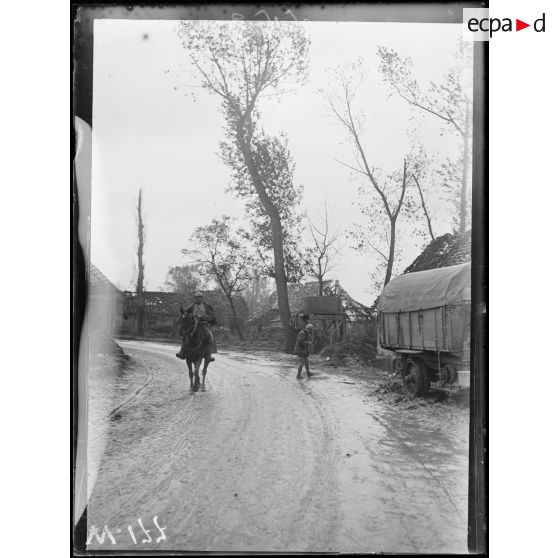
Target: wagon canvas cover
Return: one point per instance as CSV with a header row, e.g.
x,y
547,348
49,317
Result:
x,y
427,289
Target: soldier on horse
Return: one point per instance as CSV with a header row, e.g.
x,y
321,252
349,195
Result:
x,y
198,341
204,317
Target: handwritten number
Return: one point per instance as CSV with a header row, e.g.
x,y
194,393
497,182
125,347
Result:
x,y
148,540
161,530
94,532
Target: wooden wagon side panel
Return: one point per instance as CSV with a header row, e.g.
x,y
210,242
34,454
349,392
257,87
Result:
x,y
441,328
445,328
393,329
460,326
430,333
415,330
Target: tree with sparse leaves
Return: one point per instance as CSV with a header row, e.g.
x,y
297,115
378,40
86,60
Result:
x,y
184,279
449,173
276,170
322,253
257,293
241,63
219,251
421,176
449,101
383,197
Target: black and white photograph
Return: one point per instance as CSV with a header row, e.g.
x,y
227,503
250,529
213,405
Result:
x,y
279,232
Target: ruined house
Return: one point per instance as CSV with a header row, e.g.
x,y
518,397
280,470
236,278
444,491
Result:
x,y
162,310
334,315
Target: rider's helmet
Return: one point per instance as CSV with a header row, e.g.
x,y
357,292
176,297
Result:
x,y
198,295
309,327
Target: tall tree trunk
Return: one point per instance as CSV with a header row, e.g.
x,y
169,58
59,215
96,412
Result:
x,y
391,255
140,299
281,280
277,236
320,278
465,173
235,318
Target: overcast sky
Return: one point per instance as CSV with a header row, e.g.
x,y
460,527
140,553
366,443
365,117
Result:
x,y
150,132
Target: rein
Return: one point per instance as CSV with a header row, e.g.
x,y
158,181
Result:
x,y
192,330
189,337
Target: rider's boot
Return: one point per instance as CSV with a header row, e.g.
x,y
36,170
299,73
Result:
x,y
182,353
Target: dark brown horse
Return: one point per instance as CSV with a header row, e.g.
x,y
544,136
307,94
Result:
x,y
197,347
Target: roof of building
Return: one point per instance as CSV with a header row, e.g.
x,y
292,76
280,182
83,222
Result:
x,y
298,292
448,249
168,303
99,284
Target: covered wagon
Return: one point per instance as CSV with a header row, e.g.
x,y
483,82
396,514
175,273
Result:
x,y
424,323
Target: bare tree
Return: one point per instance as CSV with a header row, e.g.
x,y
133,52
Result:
x,y
381,202
140,297
449,101
219,250
423,205
240,64
419,172
323,253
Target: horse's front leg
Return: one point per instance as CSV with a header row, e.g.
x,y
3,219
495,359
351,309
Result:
x,y
206,361
204,371
197,374
190,373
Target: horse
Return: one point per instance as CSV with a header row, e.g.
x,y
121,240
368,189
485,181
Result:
x,y
197,347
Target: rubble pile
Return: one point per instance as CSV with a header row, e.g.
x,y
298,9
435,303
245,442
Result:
x,y
352,351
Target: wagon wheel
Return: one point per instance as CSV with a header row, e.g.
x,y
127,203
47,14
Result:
x,y
415,378
397,365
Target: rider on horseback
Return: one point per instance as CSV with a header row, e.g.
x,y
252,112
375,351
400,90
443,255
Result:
x,y
205,316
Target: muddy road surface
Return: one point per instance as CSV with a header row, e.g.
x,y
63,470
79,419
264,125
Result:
x,y
262,461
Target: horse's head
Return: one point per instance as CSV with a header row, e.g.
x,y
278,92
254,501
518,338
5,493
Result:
x,y
186,323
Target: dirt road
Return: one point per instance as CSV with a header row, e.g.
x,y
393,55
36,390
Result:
x,y
262,461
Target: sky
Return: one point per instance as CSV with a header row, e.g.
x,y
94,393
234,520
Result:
x,y
154,128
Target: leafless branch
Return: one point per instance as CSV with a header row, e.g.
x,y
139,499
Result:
x,y
415,102
424,207
377,250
